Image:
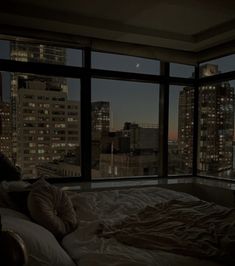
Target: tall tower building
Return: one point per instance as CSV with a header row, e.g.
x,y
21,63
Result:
x,y
47,127
100,125
185,127
45,122
5,125
215,125
101,117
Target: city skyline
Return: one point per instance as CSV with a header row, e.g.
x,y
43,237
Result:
x,y
109,90
103,94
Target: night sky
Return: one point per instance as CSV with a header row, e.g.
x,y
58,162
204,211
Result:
x,y
130,101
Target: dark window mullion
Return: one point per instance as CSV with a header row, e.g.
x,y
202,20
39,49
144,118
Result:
x,y
195,127
41,69
85,125
163,120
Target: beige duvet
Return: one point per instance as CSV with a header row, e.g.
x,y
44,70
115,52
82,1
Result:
x,y
194,228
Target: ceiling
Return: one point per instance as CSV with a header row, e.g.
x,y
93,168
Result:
x,y
189,25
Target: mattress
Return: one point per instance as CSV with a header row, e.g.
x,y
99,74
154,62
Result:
x,y
93,208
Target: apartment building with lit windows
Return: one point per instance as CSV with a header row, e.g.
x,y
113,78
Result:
x,y
47,125
215,125
101,116
185,128
5,129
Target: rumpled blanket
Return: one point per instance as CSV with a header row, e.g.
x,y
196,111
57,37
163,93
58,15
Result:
x,y
195,228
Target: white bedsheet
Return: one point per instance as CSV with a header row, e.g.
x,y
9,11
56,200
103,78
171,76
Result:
x,y
87,249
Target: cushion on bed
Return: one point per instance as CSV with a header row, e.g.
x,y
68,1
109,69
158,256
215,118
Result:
x,y
41,245
52,208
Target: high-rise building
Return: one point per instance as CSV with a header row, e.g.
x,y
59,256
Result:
x,y
100,125
215,125
185,128
47,126
100,117
5,125
45,123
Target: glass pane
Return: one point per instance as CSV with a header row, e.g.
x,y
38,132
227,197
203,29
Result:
x,y
180,70
216,66
40,122
216,130
125,133
180,139
35,52
125,63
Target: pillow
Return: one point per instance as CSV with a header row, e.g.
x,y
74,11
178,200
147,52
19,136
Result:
x,y
12,213
41,245
7,170
52,208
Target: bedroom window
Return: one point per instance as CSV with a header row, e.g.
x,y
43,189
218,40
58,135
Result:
x,y
125,129
34,121
181,123
118,122
216,153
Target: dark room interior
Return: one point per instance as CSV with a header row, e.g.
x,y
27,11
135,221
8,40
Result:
x,y
117,133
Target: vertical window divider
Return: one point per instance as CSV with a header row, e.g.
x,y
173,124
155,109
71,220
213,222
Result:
x,y
85,124
163,120
195,128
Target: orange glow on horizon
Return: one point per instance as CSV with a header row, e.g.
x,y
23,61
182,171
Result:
x,y
173,135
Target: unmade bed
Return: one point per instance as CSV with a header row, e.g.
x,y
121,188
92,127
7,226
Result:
x,y
123,227
110,220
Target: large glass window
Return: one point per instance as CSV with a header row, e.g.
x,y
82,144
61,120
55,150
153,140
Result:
x,y
40,124
40,116
180,139
125,130
41,53
216,130
125,63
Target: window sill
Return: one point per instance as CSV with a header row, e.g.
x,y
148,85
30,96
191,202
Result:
x,y
140,182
